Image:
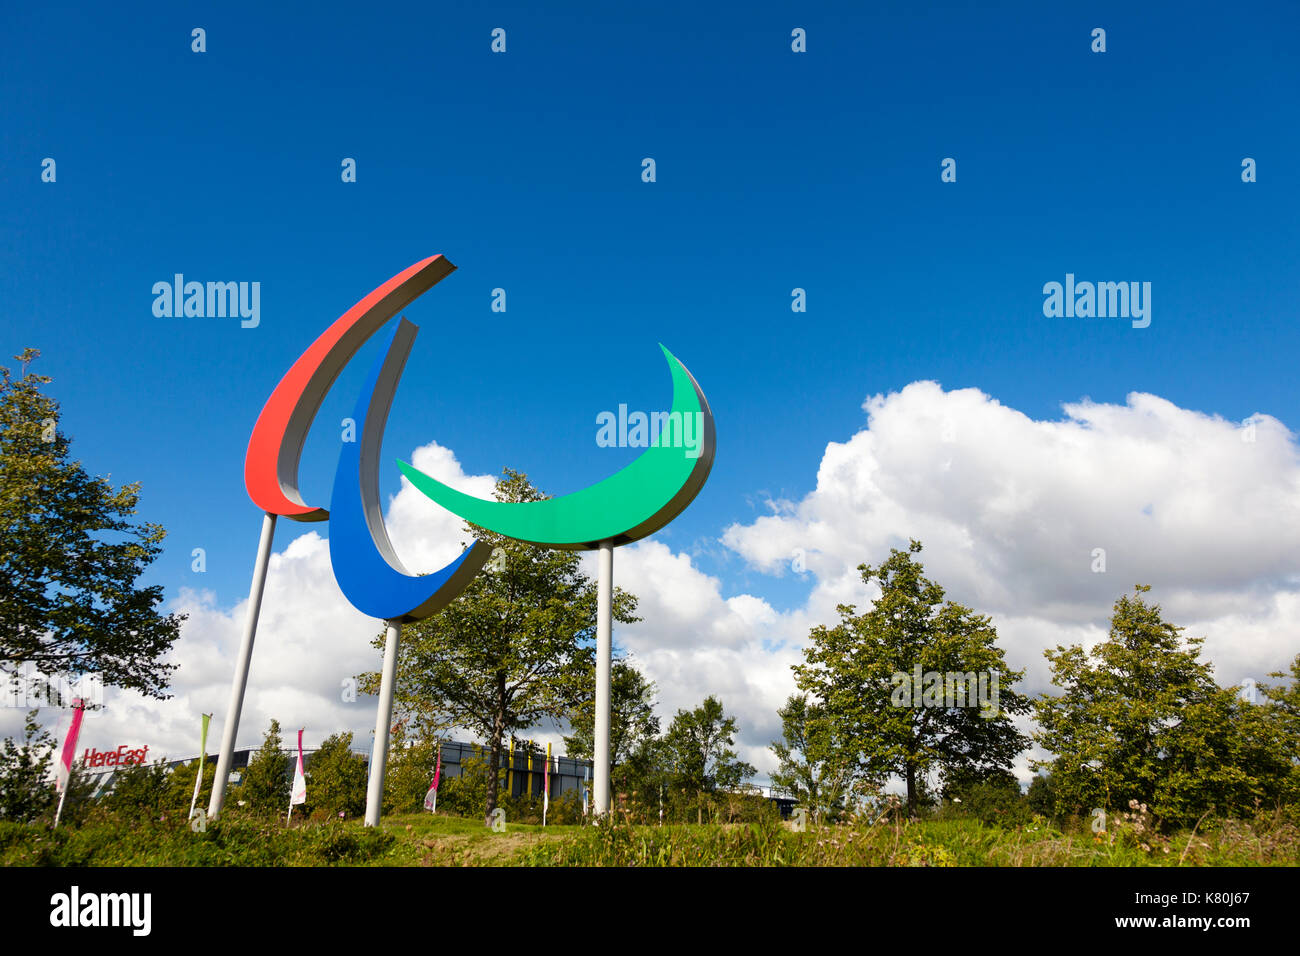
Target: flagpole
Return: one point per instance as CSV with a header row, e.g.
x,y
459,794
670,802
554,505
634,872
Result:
x,y
59,812
384,716
241,667
604,651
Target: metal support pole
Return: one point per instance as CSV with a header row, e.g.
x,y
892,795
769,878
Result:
x,y
604,653
241,668
383,720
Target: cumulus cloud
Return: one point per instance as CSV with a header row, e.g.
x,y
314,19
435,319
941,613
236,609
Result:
x,y
1019,517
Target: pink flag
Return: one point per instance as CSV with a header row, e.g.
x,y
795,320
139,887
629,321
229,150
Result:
x,y
69,754
431,798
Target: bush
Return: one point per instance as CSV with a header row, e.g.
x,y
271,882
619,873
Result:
x,y
140,792
336,780
466,795
996,801
231,841
180,788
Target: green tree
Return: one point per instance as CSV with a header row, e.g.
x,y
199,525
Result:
x,y
411,764
698,747
646,771
814,766
1140,718
27,781
632,720
336,779
513,649
70,556
26,774
264,787
859,670
1285,713
1041,796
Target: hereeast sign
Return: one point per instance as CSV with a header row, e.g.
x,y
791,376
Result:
x,y
123,756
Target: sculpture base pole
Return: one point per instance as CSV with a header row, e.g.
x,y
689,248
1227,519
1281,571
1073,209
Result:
x,y
241,667
604,652
383,720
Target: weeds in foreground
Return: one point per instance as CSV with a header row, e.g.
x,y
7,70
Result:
x,y
888,839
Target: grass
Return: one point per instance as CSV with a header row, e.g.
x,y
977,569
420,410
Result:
x,y
423,840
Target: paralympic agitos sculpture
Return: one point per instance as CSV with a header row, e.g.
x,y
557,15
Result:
x,y
630,504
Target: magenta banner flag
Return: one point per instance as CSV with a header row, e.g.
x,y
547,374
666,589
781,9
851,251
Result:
x,y
69,754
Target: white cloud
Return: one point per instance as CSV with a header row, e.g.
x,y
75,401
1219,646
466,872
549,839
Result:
x,y
1010,511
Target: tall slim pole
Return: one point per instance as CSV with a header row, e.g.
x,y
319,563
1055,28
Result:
x,y
383,718
241,668
59,812
604,652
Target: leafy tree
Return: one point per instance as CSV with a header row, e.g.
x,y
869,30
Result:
x,y
514,648
645,771
27,779
698,747
857,669
1286,699
336,779
814,766
1041,795
74,608
26,774
264,787
410,771
1285,713
1141,718
632,720
1222,755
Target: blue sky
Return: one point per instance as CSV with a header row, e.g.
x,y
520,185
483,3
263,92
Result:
x,y
775,170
